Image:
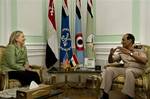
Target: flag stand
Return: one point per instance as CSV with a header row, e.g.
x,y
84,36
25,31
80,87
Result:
x,y
67,66
52,69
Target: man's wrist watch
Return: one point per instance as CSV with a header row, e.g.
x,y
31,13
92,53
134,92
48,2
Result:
x,y
131,54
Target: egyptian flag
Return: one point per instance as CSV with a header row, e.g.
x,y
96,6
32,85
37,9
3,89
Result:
x,y
74,61
90,51
65,40
52,44
78,34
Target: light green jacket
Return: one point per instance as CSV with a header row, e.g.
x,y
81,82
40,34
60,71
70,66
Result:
x,y
14,58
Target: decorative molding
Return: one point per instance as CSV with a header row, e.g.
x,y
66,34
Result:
x,y
109,34
36,49
31,35
36,54
35,44
102,53
112,43
106,43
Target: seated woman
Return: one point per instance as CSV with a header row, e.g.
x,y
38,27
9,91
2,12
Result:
x,y
15,60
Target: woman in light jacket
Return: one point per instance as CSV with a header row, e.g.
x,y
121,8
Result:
x,y
15,60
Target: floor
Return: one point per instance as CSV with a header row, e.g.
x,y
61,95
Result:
x,y
88,94
78,94
116,94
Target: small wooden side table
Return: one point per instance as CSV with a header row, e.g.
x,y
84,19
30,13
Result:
x,y
79,77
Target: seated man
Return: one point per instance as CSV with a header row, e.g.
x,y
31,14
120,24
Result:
x,y
134,64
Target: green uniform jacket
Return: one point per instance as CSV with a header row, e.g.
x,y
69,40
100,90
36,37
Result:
x,y
14,58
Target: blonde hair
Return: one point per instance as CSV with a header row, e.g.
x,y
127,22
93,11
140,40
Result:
x,y
14,35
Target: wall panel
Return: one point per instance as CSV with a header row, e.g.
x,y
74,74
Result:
x,y
30,17
113,16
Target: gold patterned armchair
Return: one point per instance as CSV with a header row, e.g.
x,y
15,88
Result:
x,y
142,84
5,82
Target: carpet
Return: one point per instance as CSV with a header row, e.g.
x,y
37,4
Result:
x,y
116,94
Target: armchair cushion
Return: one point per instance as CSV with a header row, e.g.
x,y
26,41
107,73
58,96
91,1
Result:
x,y
120,80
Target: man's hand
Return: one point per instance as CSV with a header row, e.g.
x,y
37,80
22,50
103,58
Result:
x,y
110,58
124,50
112,50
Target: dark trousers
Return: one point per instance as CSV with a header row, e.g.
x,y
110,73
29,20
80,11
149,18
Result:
x,y
25,77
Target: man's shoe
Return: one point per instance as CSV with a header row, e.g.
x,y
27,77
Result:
x,y
105,96
130,97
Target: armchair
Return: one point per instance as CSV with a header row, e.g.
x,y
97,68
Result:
x,y
142,83
5,82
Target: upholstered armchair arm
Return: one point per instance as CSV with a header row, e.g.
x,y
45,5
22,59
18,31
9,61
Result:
x,y
114,65
2,80
147,70
146,81
38,69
